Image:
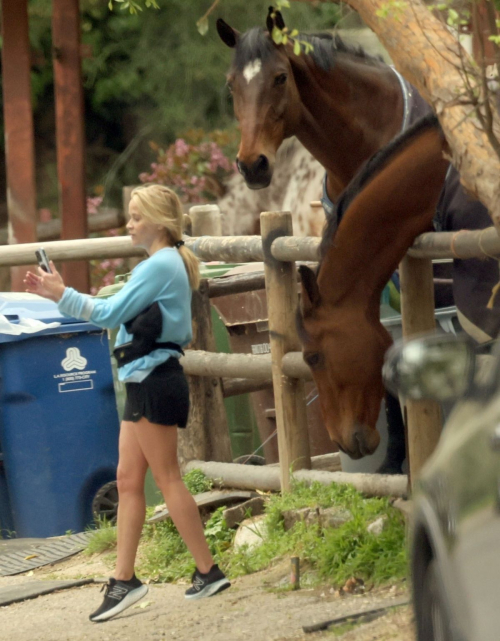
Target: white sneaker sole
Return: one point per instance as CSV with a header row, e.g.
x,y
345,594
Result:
x,y
210,590
130,599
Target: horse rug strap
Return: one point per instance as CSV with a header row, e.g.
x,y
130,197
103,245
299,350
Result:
x,y
414,108
146,327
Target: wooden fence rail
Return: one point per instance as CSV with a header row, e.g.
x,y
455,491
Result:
x,y
285,364
246,249
107,218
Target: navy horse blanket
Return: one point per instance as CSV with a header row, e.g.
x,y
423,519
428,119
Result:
x,y
474,278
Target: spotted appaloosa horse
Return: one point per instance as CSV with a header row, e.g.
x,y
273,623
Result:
x,y
297,181
344,106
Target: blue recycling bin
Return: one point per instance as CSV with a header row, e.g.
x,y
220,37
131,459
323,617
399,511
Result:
x,y
6,522
58,419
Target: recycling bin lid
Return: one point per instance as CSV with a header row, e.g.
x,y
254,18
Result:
x,y
18,305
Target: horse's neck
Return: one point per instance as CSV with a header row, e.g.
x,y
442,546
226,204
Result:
x,y
382,222
348,113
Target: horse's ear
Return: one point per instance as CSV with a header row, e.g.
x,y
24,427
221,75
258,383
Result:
x,y
310,291
227,34
278,20
270,20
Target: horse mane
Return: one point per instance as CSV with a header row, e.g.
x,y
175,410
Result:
x,y
326,46
368,171
256,43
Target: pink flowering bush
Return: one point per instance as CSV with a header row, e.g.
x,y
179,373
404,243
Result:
x,y
195,166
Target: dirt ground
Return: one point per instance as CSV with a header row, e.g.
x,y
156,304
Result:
x,y
252,607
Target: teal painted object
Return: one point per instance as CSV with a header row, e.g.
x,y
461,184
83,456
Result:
x,y
390,303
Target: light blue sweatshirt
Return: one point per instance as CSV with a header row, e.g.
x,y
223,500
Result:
x,y
161,278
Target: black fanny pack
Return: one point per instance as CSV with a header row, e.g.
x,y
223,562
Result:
x,y
146,327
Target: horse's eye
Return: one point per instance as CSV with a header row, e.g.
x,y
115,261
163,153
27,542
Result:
x,y
280,80
313,359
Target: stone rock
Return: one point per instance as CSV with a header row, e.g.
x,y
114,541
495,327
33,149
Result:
x,y
403,506
334,516
377,526
251,532
235,515
328,517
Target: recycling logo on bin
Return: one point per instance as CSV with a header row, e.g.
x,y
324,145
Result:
x,y
71,381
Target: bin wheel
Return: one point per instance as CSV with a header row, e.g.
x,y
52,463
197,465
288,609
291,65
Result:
x,y
105,503
250,459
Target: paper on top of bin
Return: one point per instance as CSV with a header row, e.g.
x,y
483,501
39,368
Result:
x,y
24,326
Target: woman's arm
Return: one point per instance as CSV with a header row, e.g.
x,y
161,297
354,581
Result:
x,y
147,281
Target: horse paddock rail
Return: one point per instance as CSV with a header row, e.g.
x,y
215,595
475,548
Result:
x,y
279,250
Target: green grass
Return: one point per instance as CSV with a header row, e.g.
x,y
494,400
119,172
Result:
x,y
104,538
333,555
327,555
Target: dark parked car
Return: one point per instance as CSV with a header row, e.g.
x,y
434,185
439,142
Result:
x,y
455,540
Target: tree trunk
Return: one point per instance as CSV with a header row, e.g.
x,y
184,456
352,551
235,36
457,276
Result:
x,y
429,57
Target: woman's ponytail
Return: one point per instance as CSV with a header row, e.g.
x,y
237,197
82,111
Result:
x,y
192,265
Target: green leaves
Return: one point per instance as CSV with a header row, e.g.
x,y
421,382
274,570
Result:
x,y
393,7
452,19
277,35
133,6
202,25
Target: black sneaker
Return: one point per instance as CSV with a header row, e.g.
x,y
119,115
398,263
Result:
x,y
207,584
119,596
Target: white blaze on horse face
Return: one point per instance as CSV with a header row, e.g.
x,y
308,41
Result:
x,y
252,69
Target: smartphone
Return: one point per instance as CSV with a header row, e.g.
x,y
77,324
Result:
x,y
42,260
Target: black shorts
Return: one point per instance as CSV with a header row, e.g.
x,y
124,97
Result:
x,y
162,397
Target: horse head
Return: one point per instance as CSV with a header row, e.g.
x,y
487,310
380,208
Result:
x,y
344,346
265,97
390,202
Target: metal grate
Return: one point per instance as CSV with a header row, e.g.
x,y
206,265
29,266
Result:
x,y
51,552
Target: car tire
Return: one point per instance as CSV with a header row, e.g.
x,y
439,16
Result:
x,y
432,621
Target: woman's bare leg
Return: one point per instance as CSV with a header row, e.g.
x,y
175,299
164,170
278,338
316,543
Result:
x,y
132,468
159,445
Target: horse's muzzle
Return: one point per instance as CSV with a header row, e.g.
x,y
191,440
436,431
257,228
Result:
x,y
363,442
258,174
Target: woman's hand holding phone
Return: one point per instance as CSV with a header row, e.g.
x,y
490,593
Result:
x,y
48,282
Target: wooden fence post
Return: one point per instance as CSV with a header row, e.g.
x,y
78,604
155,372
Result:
x,y
423,418
126,193
207,434
206,220
282,301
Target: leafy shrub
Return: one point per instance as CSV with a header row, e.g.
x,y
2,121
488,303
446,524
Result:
x,y
195,166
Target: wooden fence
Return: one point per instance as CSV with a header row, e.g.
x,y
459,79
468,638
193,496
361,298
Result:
x,y
279,251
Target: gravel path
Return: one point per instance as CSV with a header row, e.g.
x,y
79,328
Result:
x,y
251,608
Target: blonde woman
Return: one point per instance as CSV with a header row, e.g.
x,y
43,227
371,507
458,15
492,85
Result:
x,y
153,310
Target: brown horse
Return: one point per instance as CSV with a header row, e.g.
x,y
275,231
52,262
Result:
x,y
339,322
342,104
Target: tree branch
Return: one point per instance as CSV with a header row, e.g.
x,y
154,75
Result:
x,y
435,72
